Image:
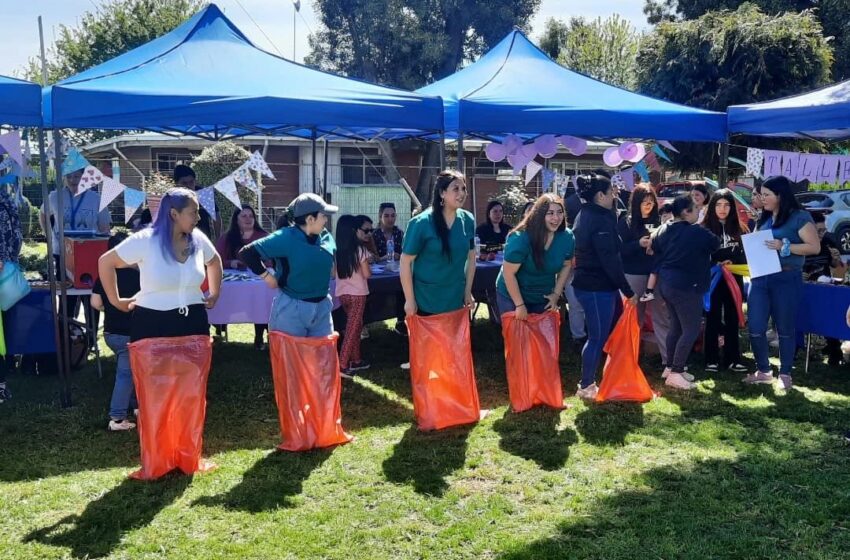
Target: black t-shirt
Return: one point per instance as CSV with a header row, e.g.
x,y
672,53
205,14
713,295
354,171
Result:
x,y
487,236
115,321
818,265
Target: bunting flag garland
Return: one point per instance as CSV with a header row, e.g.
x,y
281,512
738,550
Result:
x,y
789,164
641,169
74,161
206,197
652,161
531,170
11,144
243,176
618,181
92,176
227,187
628,175
755,162
660,153
808,169
548,176
257,163
109,191
772,163
51,148
6,164
132,200
828,169
668,145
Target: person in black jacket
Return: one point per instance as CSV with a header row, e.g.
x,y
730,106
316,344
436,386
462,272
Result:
x,y
639,260
684,266
599,276
721,219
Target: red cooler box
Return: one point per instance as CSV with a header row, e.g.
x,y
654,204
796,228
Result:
x,y
81,255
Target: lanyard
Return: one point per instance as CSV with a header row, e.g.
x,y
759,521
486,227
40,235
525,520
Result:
x,y
75,208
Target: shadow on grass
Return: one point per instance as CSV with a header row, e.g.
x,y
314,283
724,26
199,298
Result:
x,y
425,459
100,528
609,423
760,506
363,407
273,482
534,435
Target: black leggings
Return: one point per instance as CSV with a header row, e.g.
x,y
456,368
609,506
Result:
x,y
150,323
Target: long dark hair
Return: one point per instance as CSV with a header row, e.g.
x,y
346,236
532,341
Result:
x,y
635,219
732,227
233,235
444,179
490,205
347,246
788,203
535,225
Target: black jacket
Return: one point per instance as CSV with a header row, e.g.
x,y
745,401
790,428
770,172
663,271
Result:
x,y
635,259
599,267
684,255
573,204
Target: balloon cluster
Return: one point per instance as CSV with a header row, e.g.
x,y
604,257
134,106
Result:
x,y
627,151
519,155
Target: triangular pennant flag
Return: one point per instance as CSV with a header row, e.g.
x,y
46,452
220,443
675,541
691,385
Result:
x,y
652,161
92,176
132,200
657,149
755,161
773,164
74,161
668,145
628,178
109,191
641,169
6,163
11,144
548,177
206,197
617,181
228,188
257,163
243,176
531,170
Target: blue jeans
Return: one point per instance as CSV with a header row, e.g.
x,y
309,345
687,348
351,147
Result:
x,y
297,317
777,296
123,393
599,308
507,304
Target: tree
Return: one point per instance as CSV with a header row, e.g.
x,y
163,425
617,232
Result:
x,y
731,57
410,43
603,49
114,28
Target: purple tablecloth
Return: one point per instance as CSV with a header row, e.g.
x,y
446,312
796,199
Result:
x,y
242,301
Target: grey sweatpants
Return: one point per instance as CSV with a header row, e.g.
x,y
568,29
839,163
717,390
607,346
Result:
x,y
658,310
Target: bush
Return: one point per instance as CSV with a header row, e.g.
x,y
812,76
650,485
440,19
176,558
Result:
x,y
28,214
513,199
33,260
215,163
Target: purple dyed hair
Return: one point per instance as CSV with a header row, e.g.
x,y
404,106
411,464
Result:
x,y
163,226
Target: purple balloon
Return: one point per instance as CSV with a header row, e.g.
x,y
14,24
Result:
x,y
576,146
512,143
628,150
612,157
547,145
530,151
641,153
495,152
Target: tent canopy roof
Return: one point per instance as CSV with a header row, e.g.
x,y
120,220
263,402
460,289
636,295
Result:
x,y
20,102
206,78
517,88
822,114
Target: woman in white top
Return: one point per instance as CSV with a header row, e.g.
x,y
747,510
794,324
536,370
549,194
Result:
x,y
173,258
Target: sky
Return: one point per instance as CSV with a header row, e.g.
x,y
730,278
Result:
x,y
268,23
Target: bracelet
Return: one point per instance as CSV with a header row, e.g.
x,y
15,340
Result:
x,y
786,248
520,305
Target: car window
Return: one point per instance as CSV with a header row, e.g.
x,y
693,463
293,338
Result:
x,y
810,201
845,198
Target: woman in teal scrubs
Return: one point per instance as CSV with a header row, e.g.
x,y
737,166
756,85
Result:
x,y
438,257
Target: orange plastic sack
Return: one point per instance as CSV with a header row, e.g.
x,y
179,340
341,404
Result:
x,y
531,360
170,375
622,378
307,388
441,371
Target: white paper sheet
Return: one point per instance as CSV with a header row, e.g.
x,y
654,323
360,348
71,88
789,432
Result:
x,y
761,260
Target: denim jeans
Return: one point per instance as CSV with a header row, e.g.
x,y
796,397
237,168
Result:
x,y
777,296
123,393
507,304
599,309
297,317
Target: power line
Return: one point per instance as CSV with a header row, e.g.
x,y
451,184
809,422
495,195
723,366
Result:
x,y
257,25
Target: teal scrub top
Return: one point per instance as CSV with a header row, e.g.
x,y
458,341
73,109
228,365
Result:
x,y
439,281
534,283
306,274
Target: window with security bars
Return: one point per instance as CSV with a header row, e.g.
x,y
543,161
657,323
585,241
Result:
x,y
362,167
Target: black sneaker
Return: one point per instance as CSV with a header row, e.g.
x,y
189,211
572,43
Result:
x,y
711,368
847,437
400,328
5,394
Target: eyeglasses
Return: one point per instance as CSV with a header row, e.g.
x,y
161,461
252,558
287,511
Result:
x,y
367,231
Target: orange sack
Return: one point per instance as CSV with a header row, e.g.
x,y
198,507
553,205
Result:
x,y
307,388
170,375
622,378
441,372
532,348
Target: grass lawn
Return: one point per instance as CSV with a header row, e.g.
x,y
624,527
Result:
x,y
729,471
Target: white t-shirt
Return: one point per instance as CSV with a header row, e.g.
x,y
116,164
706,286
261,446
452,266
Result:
x,y
166,284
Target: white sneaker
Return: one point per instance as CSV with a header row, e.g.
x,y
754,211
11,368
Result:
x,y
785,382
405,365
759,378
588,393
122,426
667,371
364,333
678,381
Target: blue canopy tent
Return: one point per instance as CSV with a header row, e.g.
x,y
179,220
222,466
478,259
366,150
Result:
x,y
205,78
517,88
822,114
20,102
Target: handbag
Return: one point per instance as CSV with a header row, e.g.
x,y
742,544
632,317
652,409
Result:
x,y
13,285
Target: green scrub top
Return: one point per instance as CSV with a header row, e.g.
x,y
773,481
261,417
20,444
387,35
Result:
x,y
534,283
306,272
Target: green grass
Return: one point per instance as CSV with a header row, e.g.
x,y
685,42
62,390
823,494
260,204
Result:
x,y
729,471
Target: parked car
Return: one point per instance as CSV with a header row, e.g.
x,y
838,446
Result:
x,y
835,205
668,191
